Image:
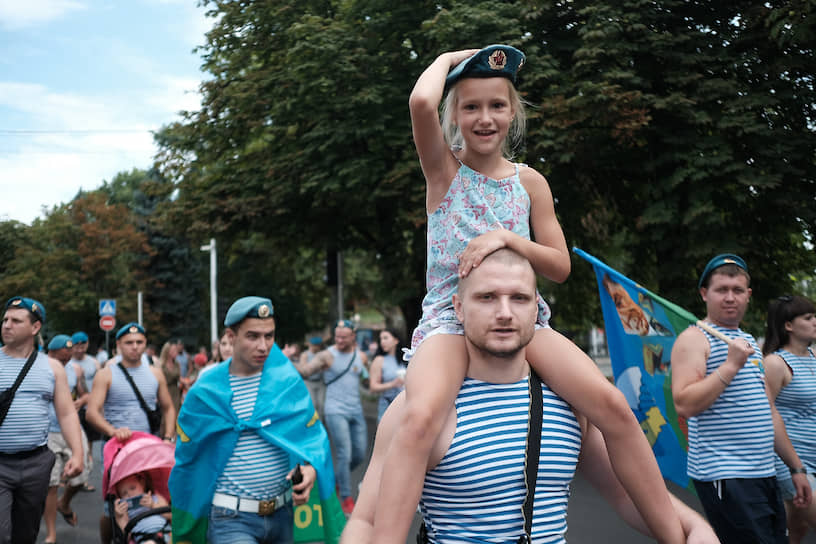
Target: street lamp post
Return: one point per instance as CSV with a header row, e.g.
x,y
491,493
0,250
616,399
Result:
x,y
213,292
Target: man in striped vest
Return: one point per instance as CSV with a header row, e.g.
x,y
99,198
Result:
x,y
250,444
718,383
25,460
474,487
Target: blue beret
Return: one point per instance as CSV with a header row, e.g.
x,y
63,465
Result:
x,y
33,306
60,341
130,328
79,337
345,323
315,340
248,307
492,61
718,261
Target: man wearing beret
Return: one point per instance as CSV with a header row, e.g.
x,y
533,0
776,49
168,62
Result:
x,y
80,357
718,384
60,348
90,366
113,406
250,445
341,365
25,460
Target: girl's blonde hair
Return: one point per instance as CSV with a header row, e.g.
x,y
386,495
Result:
x,y
515,134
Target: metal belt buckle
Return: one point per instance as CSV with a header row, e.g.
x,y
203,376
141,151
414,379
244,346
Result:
x,y
266,508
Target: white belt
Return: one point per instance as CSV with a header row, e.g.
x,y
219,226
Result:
x,y
243,504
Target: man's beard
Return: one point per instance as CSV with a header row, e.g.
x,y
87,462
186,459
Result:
x,y
505,353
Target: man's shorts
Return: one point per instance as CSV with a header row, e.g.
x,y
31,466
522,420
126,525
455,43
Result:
x,y
787,489
57,444
744,510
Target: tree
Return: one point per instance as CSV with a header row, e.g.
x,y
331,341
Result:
x,y
668,130
78,253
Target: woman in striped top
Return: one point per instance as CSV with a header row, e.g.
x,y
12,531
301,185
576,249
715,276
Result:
x,y
790,370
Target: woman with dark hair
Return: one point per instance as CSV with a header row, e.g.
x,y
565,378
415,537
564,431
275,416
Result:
x,y
387,373
790,374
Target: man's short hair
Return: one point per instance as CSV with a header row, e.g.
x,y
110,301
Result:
x,y
505,256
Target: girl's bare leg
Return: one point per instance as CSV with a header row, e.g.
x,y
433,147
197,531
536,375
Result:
x,y
571,374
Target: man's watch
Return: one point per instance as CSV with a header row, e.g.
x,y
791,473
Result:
x,y
800,470
169,438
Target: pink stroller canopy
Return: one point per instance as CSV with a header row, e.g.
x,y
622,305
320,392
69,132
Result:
x,y
142,452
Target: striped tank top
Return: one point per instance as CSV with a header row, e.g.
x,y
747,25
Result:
x,y
256,469
53,422
343,393
475,493
26,424
796,404
733,438
122,408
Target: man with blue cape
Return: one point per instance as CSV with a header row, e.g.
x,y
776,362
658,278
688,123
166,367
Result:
x,y
250,445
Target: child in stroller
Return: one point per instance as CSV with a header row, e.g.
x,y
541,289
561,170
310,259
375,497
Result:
x,y
135,488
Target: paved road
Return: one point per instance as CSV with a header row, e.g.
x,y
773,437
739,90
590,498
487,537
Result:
x,y
591,520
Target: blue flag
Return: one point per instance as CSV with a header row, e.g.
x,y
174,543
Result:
x,y
640,331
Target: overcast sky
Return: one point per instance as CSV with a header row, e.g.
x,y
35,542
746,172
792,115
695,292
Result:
x,y
82,85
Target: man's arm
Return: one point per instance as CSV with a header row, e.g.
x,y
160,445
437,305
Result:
x,y
360,526
319,362
81,388
95,406
597,469
166,404
68,420
694,391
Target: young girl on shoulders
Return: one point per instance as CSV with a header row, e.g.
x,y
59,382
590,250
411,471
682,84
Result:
x,y
477,202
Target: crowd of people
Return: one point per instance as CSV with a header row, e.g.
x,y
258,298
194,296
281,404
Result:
x,y
484,427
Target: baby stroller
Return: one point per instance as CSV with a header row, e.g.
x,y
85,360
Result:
x,y
142,453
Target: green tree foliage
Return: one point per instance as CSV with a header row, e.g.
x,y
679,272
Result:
x,y
178,290
78,253
668,130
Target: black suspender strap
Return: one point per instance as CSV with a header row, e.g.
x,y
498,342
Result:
x,y
532,453
353,357
531,456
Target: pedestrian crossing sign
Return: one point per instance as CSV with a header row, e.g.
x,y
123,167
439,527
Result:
x,y
107,306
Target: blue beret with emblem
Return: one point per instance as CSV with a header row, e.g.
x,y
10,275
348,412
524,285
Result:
x,y
79,337
718,261
36,308
130,328
245,307
60,341
492,61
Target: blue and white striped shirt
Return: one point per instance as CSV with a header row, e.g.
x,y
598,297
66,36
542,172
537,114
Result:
x,y
122,408
733,438
256,469
26,424
796,403
475,493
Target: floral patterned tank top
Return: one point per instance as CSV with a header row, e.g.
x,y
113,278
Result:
x,y
474,204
